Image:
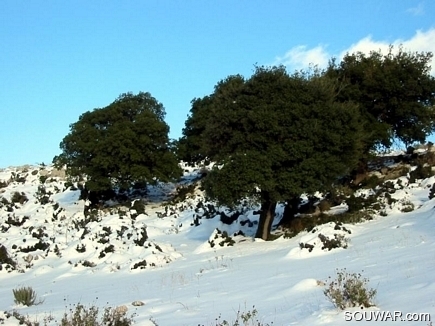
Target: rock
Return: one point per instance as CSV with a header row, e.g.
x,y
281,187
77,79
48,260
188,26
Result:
x,y
137,303
121,310
28,258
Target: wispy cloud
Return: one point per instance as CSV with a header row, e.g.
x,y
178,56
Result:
x,y
301,57
417,11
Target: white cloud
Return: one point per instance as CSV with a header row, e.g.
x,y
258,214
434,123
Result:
x,y
301,57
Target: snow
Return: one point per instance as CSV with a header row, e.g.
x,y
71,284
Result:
x,y
186,281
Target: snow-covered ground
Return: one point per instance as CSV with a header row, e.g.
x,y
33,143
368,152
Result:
x,y
105,260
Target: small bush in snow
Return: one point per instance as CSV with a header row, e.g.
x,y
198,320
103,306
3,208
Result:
x,y
25,296
421,172
407,207
80,316
349,290
243,318
5,259
432,192
25,320
339,241
19,197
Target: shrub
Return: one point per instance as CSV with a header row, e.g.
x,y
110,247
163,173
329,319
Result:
x,y
243,318
371,182
143,237
25,296
41,245
421,172
139,207
5,259
407,207
80,316
357,203
183,192
349,290
324,205
42,195
339,241
432,192
25,320
19,197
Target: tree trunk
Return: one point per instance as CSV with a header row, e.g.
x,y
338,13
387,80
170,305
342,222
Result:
x,y
267,216
290,210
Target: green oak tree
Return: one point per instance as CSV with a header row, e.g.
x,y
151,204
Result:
x,y
120,145
395,93
273,137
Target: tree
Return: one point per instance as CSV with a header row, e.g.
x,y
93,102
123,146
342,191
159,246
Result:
x,y
190,144
118,146
395,93
274,137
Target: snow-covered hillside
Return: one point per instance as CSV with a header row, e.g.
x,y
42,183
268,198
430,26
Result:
x,y
192,263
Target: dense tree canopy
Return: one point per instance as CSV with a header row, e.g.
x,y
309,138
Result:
x,y
274,136
120,145
395,93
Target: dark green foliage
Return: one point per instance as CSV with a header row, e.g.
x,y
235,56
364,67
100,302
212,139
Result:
x,y
141,265
432,192
273,137
108,249
120,145
420,172
5,258
43,178
183,192
339,241
222,238
371,182
15,221
88,263
189,147
81,248
394,92
139,206
18,197
40,245
143,237
42,195
357,203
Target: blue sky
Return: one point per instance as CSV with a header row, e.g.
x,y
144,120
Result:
x,y
60,59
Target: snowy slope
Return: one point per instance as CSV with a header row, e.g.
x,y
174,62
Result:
x,y
103,259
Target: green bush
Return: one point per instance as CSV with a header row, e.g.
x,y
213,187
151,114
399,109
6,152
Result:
x,y
349,290
25,296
